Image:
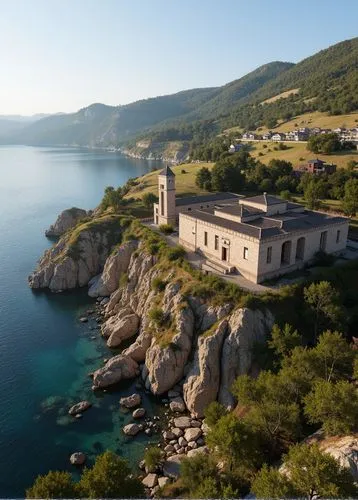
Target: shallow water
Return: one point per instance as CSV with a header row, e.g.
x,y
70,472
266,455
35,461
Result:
x,y
45,352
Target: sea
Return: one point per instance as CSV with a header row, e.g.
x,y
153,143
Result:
x,y
46,353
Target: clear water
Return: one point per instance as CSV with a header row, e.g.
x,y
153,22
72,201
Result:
x,y
45,352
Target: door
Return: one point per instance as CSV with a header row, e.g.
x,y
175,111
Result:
x,y
224,254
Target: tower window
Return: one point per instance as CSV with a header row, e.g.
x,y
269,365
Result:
x,y
246,253
269,255
162,186
162,203
216,242
205,238
338,238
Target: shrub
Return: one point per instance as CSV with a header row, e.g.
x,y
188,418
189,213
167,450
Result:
x,y
323,259
158,285
183,171
166,228
123,280
157,316
213,412
55,484
152,457
149,199
175,253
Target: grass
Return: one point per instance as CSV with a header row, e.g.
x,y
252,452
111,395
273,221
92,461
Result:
x,y
283,95
185,183
314,119
296,151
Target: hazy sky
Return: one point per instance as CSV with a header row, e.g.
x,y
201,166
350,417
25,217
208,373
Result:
x,y
61,55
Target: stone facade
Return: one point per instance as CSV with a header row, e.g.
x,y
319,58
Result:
x,y
260,237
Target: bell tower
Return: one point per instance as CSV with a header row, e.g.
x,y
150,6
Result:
x,y
166,189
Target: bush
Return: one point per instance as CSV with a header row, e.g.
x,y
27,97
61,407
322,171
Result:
x,y
166,228
175,253
123,280
152,457
149,199
183,171
323,259
55,484
158,285
214,412
157,316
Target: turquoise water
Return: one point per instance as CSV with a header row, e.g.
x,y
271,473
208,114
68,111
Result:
x,y
45,352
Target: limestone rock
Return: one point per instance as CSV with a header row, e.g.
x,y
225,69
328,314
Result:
x,y
168,435
166,363
202,382
192,434
177,404
182,422
123,329
131,401
171,467
116,369
138,413
79,407
150,480
163,481
116,264
65,221
77,458
177,432
246,327
198,451
131,429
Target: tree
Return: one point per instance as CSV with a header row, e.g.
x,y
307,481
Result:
x,y
272,409
325,143
314,473
227,177
333,357
54,484
213,412
284,340
334,406
350,199
235,441
110,477
149,199
313,192
203,178
308,473
271,483
323,300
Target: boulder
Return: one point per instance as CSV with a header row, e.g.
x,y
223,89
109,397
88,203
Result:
x,y
116,264
182,422
131,429
65,221
163,481
150,481
177,432
122,329
116,369
79,407
131,401
202,382
77,458
192,434
168,435
138,413
198,451
173,394
169,448
177,404
182,442
171,467
246,327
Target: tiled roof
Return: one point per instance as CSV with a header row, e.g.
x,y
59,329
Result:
x,y
239,227
167,171
191,200
264,199
240,210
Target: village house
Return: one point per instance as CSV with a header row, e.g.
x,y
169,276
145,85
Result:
x,y
317,166
258,237
249,136
267,136
234,148
279,136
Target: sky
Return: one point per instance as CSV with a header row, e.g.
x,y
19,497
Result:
x,y
62,55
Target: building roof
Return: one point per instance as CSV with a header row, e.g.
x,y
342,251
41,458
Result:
x,y
267,227
167,171
241,210
192,200
264,199
315,161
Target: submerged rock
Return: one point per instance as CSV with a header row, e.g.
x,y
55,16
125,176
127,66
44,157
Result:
x,y
79,407
171,467
131,429
77,458
131,401
65,221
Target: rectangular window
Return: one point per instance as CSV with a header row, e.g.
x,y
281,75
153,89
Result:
x,y
246,253
338,239
216,242
189,209
323,241
162,186
269,255
161,203
205,238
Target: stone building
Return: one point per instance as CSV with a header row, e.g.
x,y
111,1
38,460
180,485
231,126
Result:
x,y
260,237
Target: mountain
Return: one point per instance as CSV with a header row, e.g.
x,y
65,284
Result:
x,y
326,81
11,123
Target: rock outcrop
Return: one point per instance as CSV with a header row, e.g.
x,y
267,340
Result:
x,y
65,221
116,264
246,327
116,369
78,256
202,382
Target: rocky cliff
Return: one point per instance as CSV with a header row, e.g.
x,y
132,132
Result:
x,y
65,221
178,339
78,256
